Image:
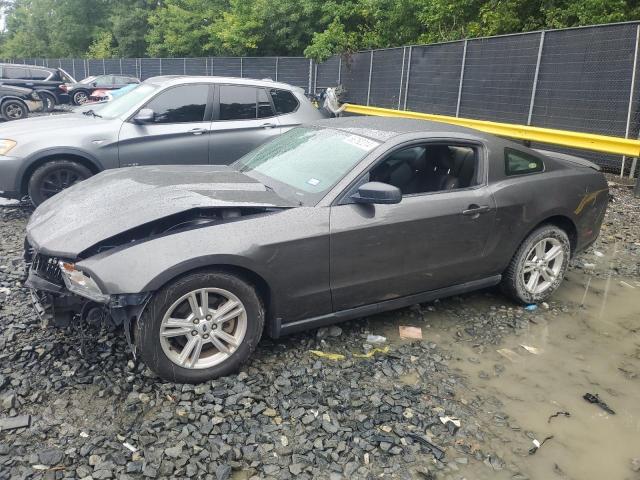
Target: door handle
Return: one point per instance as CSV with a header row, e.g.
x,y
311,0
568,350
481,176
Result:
x,y
198,131
475,210
269,125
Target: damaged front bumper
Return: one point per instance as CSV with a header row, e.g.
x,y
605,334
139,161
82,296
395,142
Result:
x,y
61,300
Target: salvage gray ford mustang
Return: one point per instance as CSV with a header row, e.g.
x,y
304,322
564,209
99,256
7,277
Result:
x,y
331,221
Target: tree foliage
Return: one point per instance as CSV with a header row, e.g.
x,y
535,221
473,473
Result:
x,y
315,28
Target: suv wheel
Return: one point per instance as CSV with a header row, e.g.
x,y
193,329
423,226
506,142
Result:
x,y
13,110
53,177
539,265
200,327
80,97
48,101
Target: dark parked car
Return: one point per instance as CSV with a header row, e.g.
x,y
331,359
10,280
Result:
x,y
328,222
165,120
17,102
81,91
45,81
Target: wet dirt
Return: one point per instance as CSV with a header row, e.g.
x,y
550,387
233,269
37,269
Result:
x,y
587,341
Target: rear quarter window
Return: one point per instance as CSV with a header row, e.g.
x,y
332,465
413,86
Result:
x,y
521,163
284,101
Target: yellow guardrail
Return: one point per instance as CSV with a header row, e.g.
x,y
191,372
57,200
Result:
x,y
565,138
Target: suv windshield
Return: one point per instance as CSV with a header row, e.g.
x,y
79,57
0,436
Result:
x,y
121,105
304,163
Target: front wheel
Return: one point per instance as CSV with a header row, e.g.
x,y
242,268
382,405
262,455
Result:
x,y
200,327
14,110
80,97
539,265
53,177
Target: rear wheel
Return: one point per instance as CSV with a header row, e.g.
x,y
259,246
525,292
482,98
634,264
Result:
x,y
79,97
48,101
14,110
539,265
200,327
53,177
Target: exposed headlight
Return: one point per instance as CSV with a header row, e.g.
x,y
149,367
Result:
x,y
80,284
6,146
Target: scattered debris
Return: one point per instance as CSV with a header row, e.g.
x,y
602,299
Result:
x,y
375,339
589,266
128,446
537,444
591,398
410,332
372,352
452,424
509,354
625,284
531,307
5,290
11,423
557,414
545,305
84,434
534,350
329,356
598,254
437,452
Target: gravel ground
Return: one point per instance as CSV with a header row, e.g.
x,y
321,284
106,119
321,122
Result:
x,y
96,413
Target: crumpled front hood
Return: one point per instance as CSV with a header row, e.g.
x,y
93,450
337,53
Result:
x,y
118,200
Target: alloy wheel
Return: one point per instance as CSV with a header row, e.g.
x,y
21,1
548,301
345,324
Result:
x,y
57,181
542,266
203,328
14,111
80,98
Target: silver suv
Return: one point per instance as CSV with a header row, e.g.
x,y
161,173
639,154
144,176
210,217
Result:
x,y
165,120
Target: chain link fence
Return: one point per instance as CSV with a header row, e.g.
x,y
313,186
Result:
x,y
582,79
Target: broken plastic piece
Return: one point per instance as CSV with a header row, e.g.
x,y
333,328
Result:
x,y
410,332
437,452
374,339
591,398
11,423
557,414
598,254
128,446
510,354
531,307
452,424
537,444
534,350
330,356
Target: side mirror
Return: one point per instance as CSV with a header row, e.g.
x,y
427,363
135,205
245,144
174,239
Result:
x,y
145,115
377,192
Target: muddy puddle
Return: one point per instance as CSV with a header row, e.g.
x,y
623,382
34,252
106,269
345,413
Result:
x,y
588,342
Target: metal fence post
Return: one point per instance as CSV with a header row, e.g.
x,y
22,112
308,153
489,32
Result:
x,y
277,58
633,85
535,79
370,70
120,65
73,67
104,68
404,51
184,66
241,68
310,76
406,82
464,61
315,78
339,69
160,60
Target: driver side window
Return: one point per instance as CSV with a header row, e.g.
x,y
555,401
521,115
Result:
x,y
183,104
428,168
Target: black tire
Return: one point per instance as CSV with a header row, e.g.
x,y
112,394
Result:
x,y
80,97
53,177
48,101
148,328
14,110
514,278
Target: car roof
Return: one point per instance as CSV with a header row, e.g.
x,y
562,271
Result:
x,y
23,65
166,80
385,128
